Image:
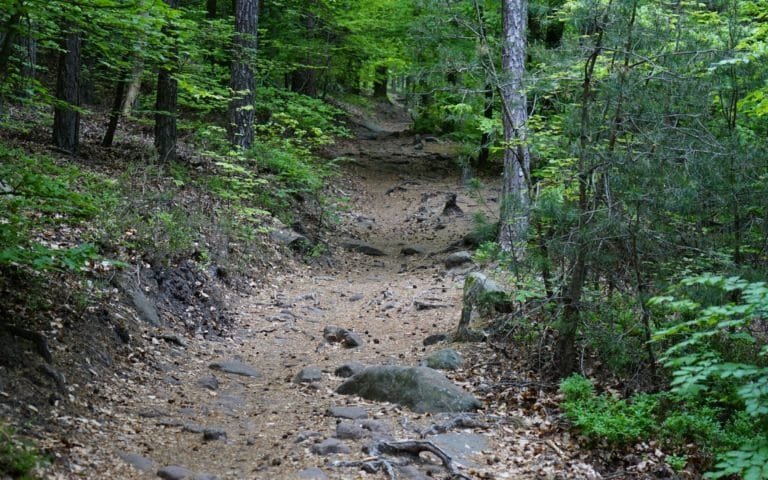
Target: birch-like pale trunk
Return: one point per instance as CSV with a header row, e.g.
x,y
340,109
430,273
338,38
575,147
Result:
x,y
514,204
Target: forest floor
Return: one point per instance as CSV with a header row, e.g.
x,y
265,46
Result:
x,y
168,413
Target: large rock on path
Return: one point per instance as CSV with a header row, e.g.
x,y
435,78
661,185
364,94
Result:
x,y
419,388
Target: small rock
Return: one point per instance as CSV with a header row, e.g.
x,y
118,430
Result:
x,y
236,368
410,472
348,369
285,317
348,338
351,413
210,382
308,375
212,433
137,461
412,250
427,302
289,238
311,474
433,339
349,431
330,446
306,435
378,430
446,359
175,339
457,259
173,472
356,297
364,248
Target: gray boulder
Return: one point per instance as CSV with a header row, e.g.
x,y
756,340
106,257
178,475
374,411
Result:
x,y
446,359
457,259
421,389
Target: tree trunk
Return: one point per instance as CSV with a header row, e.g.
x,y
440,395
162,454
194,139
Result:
x,y
114,115
134,88
485,140
380,82
514,204
165,104
10,30
66,117
210,7
304,80
241,115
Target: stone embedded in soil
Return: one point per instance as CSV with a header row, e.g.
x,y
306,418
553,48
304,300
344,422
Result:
x,y
349,431
145,308
137,461
412,250
427,302
289,238
306,435
236,368
348,338
419,388
311,474
308,375
446,359
351,413
214,433
461,447
364,248
174,472
209,382
433,339
349,369
410,472
330,446
457,259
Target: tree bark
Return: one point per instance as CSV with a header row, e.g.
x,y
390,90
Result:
x,y
380,82
514,204
165,104
485,140
210,7
114,115
66,117
134,88
10,29
241,114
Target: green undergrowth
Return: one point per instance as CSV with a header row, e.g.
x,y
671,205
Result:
x,y
717,358
18,460
39,197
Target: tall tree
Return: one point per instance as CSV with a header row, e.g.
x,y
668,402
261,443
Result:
x,y
166,102
241,114
66,117
517,164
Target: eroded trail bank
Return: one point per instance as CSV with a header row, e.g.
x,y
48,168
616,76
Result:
x,y
261,403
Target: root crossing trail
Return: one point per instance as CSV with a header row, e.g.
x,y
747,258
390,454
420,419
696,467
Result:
x,y
232,408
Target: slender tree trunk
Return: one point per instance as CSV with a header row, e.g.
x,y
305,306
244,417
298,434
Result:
x,y
165,104
566,343
380,82
10,29
66,117
241,114
304,80
514,203
133,89
114,115
210,7
485,140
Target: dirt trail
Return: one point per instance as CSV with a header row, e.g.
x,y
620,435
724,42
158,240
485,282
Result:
x,y
172,409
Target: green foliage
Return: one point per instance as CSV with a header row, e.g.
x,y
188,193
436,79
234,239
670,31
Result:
x,y
18,460
37,197
713,349
618,421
